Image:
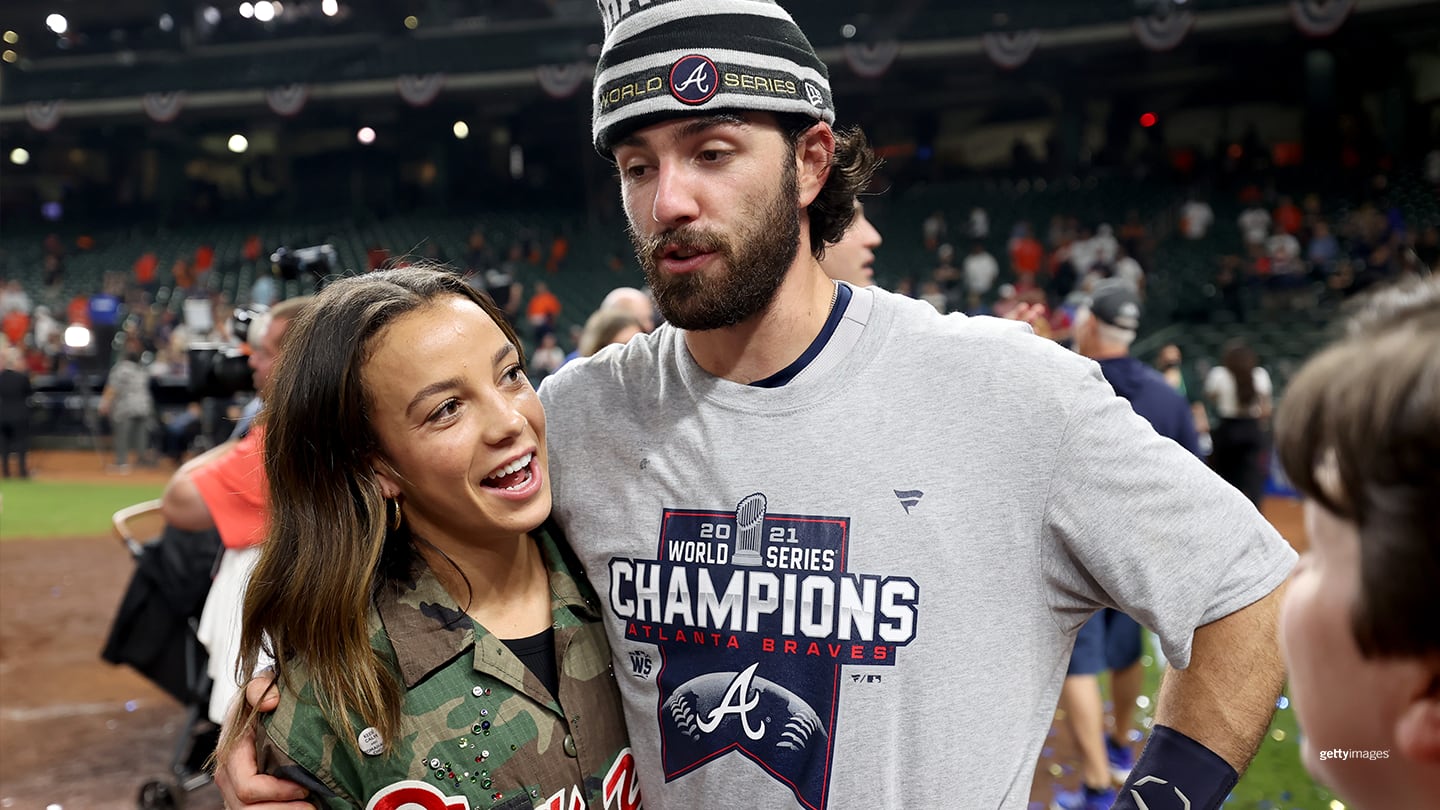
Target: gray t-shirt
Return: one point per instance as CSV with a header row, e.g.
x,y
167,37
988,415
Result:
x,y
861,589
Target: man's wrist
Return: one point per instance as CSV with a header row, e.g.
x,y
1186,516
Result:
x,y
1175,771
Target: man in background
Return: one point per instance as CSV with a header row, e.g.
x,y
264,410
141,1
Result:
x,y
1104,329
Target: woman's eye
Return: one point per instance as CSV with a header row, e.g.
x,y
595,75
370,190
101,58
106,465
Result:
x,y
447,409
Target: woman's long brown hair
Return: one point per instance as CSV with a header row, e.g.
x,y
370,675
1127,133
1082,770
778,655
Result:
x,y
328,544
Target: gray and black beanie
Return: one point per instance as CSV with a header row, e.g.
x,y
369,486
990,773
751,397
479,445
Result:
x,y
666,58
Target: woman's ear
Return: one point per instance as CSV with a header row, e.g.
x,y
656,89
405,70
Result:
x,y
387,477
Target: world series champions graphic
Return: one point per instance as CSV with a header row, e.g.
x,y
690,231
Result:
x,y
754,615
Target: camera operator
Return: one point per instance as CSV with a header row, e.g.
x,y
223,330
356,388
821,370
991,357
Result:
x,y
225,489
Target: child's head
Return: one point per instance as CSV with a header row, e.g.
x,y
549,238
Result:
x,y
1359,435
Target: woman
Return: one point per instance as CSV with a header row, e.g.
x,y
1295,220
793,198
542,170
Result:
x,y
127,401
431,637
1240,391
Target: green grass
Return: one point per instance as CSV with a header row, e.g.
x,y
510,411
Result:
x,y
1276,779
42,509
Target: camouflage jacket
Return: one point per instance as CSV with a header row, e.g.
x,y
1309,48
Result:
x,y
477,730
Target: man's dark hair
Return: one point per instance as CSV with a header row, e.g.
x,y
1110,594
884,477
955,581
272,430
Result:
x,y
854,163
1358,432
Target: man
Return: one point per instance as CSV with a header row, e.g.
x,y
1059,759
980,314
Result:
x,y
225,489
635,302
852,259
843,543
1104,329
15,391
980,271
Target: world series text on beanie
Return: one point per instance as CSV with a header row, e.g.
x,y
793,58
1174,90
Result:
x,y
667,58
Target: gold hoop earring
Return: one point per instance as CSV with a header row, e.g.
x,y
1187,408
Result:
x,y
395,521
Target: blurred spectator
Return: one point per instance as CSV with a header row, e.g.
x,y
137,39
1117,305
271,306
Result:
x,y
637,303
146,271
1288,217
184,275
13,298
15,394
44,326
981,270
54,271
1255,225
265,289
559,249
180,431
127,401
15,325
547,357
949,279
604,327
204,263
1105,246
979,223
479,256
499,283
542,312
1008,301
933,231
1128,270
931,294
1323,251
253,249
1025,253
1240,391
1196,217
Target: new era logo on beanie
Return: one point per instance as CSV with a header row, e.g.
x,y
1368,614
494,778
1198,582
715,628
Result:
x,y
664,58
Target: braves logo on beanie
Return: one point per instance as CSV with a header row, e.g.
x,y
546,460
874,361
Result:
x,y
665,58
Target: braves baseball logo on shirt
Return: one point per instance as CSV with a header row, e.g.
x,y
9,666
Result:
x,y
693,79
754,614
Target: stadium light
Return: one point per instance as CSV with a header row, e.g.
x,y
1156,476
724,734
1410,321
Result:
x,y
264,11
461,130
847,31
247,10
330,7
366,135
412,22
11,37
19,156
10,56
238,143
211,15
167,23
77,336
57,23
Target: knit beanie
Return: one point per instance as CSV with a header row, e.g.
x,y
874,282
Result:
x,y
669,58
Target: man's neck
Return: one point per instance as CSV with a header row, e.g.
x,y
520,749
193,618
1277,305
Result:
x,y
773,338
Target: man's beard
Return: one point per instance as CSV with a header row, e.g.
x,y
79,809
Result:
x,y
755,263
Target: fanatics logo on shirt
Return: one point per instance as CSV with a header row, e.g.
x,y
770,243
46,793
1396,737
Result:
x,y
754,614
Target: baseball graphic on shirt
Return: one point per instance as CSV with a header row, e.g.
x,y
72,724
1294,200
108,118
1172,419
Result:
x,y
765,717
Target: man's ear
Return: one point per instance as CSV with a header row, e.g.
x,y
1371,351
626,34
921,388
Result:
x,y
388,478
1417,732
814,154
